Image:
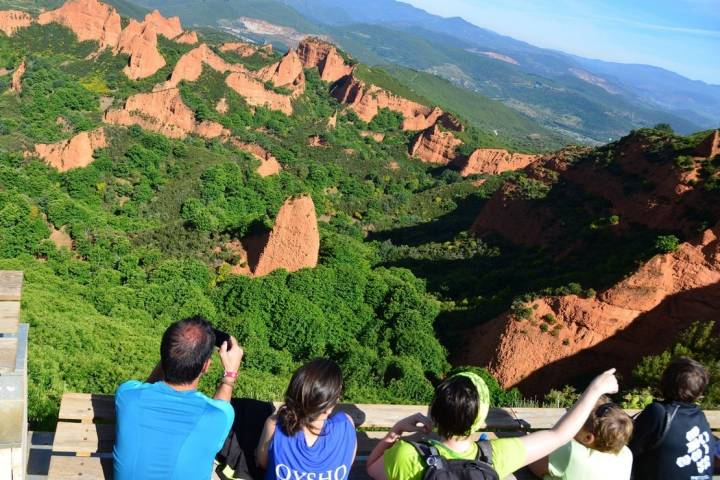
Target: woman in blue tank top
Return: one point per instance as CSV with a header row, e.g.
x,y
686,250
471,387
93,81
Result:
x,y
305,440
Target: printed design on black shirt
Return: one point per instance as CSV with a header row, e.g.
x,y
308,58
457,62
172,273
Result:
x,y
698,450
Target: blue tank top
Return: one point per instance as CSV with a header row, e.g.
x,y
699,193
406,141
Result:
x,y
329,458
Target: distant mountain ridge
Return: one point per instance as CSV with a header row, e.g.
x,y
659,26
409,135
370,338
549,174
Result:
x,y
589,100
655,85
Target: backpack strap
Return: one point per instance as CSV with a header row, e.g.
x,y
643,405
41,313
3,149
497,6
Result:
x,y
429,453
669,417
485,452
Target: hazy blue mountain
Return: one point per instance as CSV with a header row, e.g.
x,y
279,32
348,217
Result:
x,y
697,101
574,96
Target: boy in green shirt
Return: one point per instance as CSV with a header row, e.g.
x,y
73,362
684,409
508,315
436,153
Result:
x,y
459,408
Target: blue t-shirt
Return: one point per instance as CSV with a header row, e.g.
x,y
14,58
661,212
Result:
x,y
166,434
329,458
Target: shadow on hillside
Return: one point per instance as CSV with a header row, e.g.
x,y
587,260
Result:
x,y
441,229
650,334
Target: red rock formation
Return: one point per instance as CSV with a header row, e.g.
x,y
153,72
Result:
x,y
377,136
665,201
293,243
188,38
239,48
435,146
13,20
76,152
16,81
494,161
332,121
89,19
139,40
710,147
451,122
189,67
269,165
664,296
163,112
222,106
256,94
92,20
314,52
288,72
367,101
169,28
60,238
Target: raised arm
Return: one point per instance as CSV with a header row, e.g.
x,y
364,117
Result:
x,y
541,444
414,423
231,360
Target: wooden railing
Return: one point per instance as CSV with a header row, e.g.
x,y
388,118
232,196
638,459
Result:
x,y
13,379
86,430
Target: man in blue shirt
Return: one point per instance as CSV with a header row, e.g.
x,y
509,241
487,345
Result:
x,y
166,429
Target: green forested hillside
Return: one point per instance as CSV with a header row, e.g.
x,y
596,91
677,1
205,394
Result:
x,y
398,271
146,215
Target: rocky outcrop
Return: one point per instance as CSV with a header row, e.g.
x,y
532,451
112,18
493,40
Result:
x,y
76,152
239,48
13,20
288,73
89,19
256,94
586,335
139,40
190,66
169,28
494,161
188,38
710,147
61,238
269,165
16,80
222,106
293,243
314,52
366,101
638,189
93,20
163,112
435,146
451,122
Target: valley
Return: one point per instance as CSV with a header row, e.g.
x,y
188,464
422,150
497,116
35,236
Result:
x,y
313,205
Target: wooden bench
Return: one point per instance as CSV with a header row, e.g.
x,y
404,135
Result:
x,y
85,433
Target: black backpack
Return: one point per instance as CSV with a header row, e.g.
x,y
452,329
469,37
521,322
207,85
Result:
x,y
439,468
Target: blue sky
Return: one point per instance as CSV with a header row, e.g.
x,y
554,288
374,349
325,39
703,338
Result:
x,y
680,35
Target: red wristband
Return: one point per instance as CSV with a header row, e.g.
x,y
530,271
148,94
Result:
x,y
231,374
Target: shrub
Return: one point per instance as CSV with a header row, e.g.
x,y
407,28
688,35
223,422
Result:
x,y
667,244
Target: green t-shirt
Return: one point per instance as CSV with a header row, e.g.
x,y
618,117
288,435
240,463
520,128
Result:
x,y
574,460
403,462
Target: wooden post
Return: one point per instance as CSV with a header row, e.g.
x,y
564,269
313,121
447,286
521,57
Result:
x,y
13,379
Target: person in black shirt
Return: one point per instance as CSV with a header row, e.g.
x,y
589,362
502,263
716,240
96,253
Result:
x,y
672,439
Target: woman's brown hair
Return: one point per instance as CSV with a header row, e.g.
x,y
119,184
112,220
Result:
x,y
314,388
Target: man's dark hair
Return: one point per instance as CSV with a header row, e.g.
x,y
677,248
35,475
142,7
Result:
x,y
454,407
186,346
684,380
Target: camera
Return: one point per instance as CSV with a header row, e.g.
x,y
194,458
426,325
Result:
x,y
221,337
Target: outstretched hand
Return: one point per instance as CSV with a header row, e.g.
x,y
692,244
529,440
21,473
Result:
x,y
414,423
231,359
606,383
